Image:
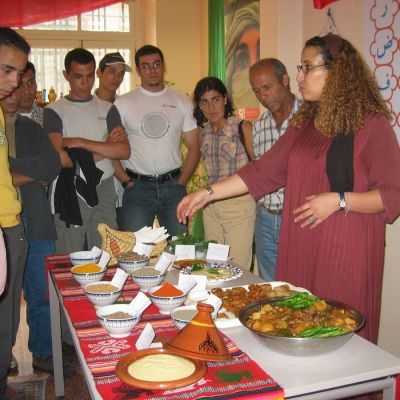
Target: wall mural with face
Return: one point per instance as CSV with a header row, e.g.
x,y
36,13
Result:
x,y
242,46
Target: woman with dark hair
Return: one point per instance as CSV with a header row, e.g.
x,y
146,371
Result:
x,y
340,164
228,221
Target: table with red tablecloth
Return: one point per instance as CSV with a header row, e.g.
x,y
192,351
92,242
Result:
x,y
240,378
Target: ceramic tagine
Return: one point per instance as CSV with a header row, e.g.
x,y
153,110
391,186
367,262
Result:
x,y
200,338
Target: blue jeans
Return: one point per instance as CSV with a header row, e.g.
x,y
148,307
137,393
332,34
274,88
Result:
x,y
266,237
36,296
144,200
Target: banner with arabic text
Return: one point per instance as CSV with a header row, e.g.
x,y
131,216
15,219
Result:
x,y
382,49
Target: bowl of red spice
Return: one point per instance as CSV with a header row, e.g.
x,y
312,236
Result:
x,y
167,297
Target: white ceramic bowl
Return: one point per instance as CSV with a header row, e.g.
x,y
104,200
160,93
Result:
x,y
179,319
88,277
117,328
83,257
147,282
166,304
100,299
131,266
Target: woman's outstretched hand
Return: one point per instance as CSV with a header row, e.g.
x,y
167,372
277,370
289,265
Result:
x,y
190,204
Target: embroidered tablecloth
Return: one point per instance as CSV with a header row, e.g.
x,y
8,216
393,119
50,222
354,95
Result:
x,y
240,378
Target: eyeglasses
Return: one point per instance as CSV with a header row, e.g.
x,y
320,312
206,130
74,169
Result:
x,y
154,65
307,68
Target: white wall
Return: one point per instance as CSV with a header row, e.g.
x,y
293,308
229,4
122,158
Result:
x,y
180,29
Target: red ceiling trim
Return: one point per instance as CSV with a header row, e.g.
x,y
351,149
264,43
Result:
x,y
28,12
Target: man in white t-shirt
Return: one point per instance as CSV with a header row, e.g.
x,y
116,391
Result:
x,y
154,117
88,134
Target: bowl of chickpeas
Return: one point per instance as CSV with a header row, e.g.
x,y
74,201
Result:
x,y
306,330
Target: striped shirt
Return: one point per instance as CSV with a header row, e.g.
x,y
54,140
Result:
x,y
223,153
35,114
265,134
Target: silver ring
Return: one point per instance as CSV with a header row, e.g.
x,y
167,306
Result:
x,y
312,219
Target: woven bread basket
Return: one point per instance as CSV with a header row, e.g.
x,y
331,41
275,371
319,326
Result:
x,y
116,242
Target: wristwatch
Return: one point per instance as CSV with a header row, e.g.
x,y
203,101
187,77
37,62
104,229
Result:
x,y
126,183
342,201
210,190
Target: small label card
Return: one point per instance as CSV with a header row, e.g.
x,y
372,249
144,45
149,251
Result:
x,y
104,259
143,249
216,302
186,283
95,251
218,252
185,251
164,262
146,337
138,304
201,281
119,278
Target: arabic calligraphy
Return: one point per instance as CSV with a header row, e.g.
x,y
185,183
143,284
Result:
x,y
386,46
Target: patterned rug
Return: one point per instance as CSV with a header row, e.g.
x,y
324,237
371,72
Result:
x,y
26,387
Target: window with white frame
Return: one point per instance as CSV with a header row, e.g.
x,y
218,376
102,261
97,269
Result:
x,y
101,31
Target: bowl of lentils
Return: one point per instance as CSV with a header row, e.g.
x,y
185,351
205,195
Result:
x,y
130,261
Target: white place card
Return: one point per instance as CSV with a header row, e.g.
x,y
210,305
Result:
x,y
164,262
95,251
138,304
201,281
197,296
156,345
214,301
119,278
185,251
146,337
217,251
143,248
186,283
104,259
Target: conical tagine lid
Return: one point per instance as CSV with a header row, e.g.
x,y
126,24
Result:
x,y
200,338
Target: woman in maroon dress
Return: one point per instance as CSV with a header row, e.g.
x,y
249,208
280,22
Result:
x,y
340,163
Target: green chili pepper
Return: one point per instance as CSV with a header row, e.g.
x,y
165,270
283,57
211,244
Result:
x,y
322,331
298,300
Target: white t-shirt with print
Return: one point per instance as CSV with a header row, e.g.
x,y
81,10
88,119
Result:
x,y
154,123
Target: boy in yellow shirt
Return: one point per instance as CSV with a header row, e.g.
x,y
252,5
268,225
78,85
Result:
x,y
14,51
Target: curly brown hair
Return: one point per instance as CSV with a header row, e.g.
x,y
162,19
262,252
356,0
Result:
x,y
350,91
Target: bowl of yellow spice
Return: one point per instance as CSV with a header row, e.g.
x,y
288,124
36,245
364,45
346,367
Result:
x,y
88,273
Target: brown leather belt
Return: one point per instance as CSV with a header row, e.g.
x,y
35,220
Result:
x,y
168,176
275,212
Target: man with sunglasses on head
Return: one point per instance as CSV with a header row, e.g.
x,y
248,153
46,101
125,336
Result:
x,y
111,72
271,85
154,117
